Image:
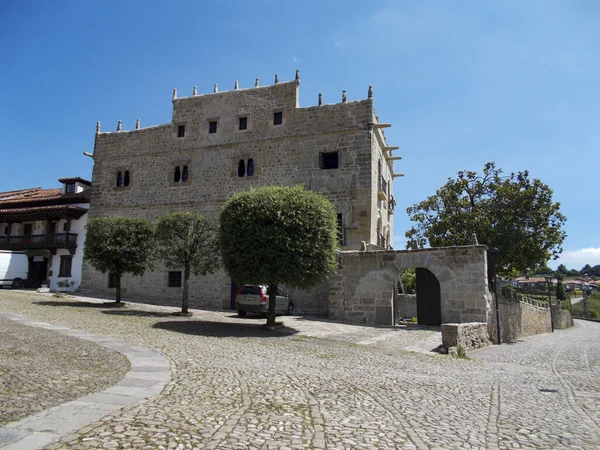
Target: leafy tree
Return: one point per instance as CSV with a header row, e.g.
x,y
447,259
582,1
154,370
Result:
x,y
408,279
562,269
188,241
278,235
587,269
561,292
514,214
558,275
573,273
120,245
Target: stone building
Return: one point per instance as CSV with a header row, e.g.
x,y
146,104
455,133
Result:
x,y
221,143
49,226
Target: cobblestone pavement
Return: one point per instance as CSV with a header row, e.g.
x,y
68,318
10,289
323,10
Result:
x,y
40,369
326,385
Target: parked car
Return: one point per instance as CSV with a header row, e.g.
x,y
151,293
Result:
x,y
255,299
13,269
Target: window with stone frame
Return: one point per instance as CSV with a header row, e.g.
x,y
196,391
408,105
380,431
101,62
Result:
x,y
242,168
177,175
243,124
65,266
180,131
328,160
126,178
277,118
212,127
250,168
185,174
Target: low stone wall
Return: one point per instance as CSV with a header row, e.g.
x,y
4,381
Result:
x,y
469,336
521,319
406,306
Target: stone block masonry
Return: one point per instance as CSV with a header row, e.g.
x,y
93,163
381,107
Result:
x,y
227,142
469,336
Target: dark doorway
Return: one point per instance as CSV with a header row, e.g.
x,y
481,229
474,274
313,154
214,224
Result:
x,y
234,290
38,270
429,310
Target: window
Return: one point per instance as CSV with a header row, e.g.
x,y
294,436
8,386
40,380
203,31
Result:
x,y
277,118
243,123
250,171
184,173
177,175
70,188
112,280
241,168
65,266
174,279
66,226
181,131
328,160
340,229
119,179
212,127
126,178
6,228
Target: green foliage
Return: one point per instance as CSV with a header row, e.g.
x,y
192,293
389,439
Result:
x,y
512,213
573,273
274,235
561,292
508,291
562,269
593,306
409,280
120,245
188,241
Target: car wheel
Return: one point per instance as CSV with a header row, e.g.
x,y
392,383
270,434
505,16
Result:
x,y
17,283
241,313
290,309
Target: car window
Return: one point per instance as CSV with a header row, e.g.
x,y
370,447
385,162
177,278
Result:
x,y
254,290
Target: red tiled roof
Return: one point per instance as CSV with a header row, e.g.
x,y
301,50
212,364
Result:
x,y
30,195
43,208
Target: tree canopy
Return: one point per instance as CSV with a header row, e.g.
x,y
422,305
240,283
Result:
x,y
513,213
120,245
188,241
278,235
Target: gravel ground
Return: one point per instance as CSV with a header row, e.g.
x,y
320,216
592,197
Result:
x,y
318,384
40,369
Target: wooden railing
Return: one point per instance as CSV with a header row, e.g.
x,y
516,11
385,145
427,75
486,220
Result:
x,y
55,240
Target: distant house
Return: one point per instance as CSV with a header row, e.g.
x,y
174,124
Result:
x,y
49,226
533,283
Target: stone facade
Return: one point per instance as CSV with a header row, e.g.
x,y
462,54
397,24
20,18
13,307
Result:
x,y
364,288
222,143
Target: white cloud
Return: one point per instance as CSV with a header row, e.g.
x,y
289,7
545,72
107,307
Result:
x,y
576,259
294,59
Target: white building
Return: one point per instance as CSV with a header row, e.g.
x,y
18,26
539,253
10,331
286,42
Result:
x,y
49,226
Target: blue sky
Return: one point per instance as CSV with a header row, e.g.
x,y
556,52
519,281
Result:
x,y
462,82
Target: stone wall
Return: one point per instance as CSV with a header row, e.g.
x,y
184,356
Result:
x,y
362,290
406,306
286,154
469,336
521,319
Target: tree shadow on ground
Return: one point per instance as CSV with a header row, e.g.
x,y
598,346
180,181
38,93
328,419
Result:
x,y
138,313
223,329
78,304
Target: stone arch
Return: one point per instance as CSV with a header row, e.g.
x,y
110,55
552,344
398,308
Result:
x,y
362,290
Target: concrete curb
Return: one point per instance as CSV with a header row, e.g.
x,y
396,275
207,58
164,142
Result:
x,y
149,374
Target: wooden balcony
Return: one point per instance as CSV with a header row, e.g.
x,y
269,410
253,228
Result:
x,y
44,241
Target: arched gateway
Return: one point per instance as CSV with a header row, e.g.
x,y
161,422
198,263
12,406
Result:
x,y
362,289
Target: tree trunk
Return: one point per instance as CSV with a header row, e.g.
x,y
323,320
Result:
x,y
272,305
185,297
118,286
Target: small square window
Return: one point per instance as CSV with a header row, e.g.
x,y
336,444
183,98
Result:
x,y
243,123
277,118
65,266
212,127
328,160
70,188
181,131
175,279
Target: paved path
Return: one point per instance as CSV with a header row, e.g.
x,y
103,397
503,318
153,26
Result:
x,y
325,385
148,375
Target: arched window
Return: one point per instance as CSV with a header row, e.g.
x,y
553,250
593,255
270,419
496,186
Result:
x,y
250,167
241,168
119,179
177,175
184,174
126,178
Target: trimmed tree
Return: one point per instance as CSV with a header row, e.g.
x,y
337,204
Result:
x,y
190,242
513,213
278,235
120,245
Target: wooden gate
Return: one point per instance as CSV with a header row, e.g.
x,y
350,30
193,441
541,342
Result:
x,y
429,311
